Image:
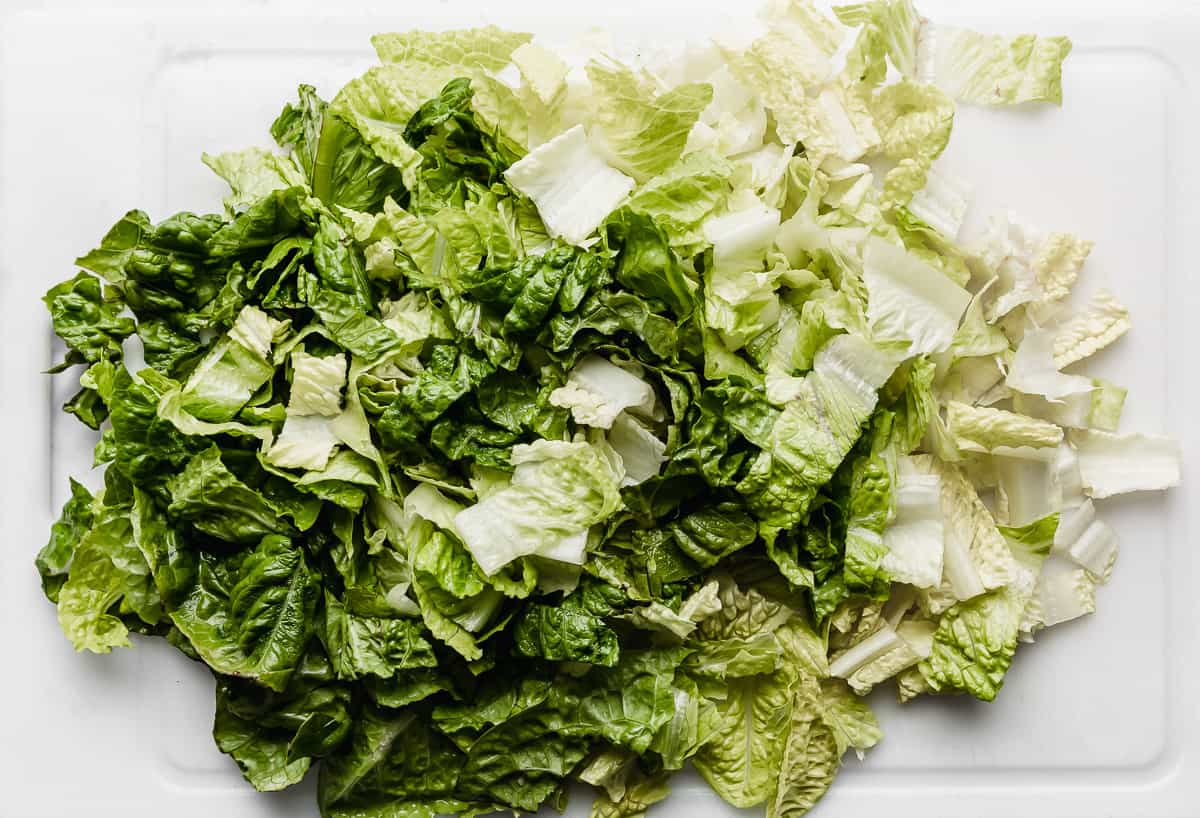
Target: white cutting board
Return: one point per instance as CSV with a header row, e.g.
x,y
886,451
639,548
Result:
x,y
103,109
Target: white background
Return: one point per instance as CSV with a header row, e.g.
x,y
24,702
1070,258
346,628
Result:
x,y
105,107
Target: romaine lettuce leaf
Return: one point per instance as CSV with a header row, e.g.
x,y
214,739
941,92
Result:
x,y
990,69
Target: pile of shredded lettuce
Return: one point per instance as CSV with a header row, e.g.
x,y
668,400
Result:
x,y
534,417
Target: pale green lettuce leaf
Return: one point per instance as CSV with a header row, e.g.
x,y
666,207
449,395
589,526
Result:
x,y
764,173
684,195
810,755
742,236
990,69
788,69
740,305
974,644
942,203
638,795
889,31
609,770
317,384
572,186
815,431
542,70
252,174
914,122
429,503
417,65
1029,544
108,575
309,436
414,319
1029,268
396,242
443,53
702,604
558,491
836,121
235,367
741,761
1102,321
909,300
735,122
1100,408
642,129
1058,261
550,93
1026,489
170,407
882,654
976,337
1064,591
499,112
853,723
984,429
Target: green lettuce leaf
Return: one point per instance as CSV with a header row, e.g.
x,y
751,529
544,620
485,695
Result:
x,y
250,614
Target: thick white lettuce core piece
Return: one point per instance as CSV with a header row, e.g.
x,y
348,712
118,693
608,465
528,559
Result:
x,y
1115,464
915,539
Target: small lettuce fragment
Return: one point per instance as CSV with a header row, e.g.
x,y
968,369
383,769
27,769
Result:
x,y
910,301
310,434
974,644
559,489
1035,369
252,174
990,69
1029,268
642,453
741,237
1064,591
882,653
233,369
1087,541
1058,261
597,391
1098,408
417,66
942,203
1112,464
644,131
572,186
684,195
808,440
914,539
984,429
1102,321
782,64
889,30
976,559
108,573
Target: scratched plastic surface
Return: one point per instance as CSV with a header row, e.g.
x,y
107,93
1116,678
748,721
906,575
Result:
x,y
104,109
